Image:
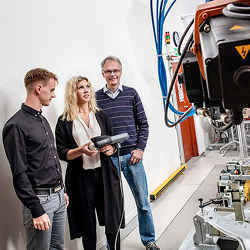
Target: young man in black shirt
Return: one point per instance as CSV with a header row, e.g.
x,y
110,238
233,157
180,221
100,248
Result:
x,y
37,176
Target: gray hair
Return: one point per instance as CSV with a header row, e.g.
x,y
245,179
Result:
x,y
110,58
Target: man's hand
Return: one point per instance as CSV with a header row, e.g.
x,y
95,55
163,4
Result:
x,y
66,199
136,156
108,150
42,222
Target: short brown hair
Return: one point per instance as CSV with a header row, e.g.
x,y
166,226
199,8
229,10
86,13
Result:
x,y
38,74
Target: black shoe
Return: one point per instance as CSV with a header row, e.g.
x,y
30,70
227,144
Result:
x,y
152,246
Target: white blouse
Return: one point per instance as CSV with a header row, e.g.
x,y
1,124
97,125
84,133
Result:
x,y
82,135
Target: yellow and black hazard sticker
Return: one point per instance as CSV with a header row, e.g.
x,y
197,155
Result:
x,y
243,50
237,27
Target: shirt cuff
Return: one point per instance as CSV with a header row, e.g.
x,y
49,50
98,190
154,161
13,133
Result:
x,y
140,149
37,210
140,146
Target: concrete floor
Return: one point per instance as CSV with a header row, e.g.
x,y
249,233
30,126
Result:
x,y
173,209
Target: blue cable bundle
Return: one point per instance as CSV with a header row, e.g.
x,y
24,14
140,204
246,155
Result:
x,y
161,14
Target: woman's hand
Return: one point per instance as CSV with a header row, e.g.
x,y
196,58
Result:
x,y
76,152
108,150
87,151
66,199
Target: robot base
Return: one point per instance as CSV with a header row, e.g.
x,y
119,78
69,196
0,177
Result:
x,y
216,230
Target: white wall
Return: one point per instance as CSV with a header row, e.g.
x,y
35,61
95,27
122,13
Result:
x,y
71,38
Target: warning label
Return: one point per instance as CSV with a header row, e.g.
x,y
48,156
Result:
x,y
237,27
243,50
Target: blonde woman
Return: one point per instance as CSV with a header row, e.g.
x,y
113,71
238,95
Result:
x,y
92,181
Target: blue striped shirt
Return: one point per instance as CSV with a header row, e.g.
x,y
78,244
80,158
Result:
x,y
128,116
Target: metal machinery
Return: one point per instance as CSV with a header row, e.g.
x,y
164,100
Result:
x,y
217,73
217,81
226,225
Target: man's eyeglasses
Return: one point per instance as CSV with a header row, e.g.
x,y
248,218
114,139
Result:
x,y
114,71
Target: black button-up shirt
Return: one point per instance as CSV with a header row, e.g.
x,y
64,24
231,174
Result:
x,y
30,148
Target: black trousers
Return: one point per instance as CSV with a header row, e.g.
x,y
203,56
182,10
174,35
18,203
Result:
x,y
90,244
93,192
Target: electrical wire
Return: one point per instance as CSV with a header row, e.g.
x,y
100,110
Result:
x,y
161,14
184,35
122,193
240,10
190,111
232,10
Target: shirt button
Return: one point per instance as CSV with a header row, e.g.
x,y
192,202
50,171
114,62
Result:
x,y
54,156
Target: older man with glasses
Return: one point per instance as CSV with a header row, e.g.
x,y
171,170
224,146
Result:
x,y
124,106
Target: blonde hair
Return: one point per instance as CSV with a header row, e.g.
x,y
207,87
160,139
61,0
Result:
x,y
70,112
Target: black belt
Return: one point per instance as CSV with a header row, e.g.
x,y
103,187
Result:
x,y
48,191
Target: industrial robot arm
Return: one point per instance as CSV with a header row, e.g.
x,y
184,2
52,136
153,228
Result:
x,y
217,74
216,70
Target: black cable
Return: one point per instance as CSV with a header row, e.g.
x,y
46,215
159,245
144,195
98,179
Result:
x,y
190,45
176,38
239,11
184,35
122,193
172,85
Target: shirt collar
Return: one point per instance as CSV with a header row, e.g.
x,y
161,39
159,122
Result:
x,y
105,89
31,110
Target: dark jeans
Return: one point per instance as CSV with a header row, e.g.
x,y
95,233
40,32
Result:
x,y
55,207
